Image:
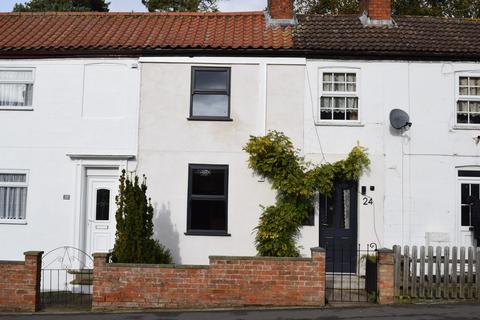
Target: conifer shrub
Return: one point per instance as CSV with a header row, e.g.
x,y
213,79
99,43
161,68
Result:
x,y
134,241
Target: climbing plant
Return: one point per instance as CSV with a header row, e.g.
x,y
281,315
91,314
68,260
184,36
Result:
x,y
296,180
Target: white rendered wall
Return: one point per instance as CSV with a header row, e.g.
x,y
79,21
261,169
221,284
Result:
x,y
39,141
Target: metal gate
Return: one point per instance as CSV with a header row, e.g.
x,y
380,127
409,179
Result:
x,y
66,279
358,284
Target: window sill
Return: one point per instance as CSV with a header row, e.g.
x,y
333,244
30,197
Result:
x,y
16,108
208,233
209,119
8,221
339,124
466,127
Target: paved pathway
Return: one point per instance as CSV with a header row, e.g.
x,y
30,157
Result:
x,y
404,312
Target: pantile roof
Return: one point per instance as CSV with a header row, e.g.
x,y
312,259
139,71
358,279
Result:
x,y
247,33
106,31
410,37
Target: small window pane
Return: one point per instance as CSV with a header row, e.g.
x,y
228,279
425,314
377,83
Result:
x,y
210,105
462,106
352,103
326,102
465,216
475,81
208,215
339,77
327,77
462,118
474,106
465,191
464,81
351,87
16,75
352,114
351,77
13,201
475,118
103,204
328,209
474,191
464,91
339,103
16,94
211,80
7,177
475,91
339,115
208,182
345,219
326,114
327,87
339,87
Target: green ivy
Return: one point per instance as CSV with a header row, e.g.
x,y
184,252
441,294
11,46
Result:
x,y
274,157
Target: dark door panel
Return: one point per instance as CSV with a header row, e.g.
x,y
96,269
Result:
x,y
338,227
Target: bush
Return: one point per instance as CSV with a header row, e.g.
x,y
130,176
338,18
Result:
x,y
134,241
273,156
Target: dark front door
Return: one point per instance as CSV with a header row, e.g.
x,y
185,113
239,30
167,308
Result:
x,y
338,227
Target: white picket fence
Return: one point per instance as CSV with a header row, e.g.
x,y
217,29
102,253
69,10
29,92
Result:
x,y
437,273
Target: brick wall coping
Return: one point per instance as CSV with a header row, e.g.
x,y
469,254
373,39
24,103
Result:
x,y
33,253
259,258
11,262
141,265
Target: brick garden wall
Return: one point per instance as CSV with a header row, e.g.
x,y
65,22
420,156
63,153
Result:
x,y
20,283
226,282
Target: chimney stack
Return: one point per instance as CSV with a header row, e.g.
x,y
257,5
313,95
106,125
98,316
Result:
x,y
281,9
376,12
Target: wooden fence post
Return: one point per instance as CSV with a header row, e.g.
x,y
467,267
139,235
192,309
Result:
x,y
386,277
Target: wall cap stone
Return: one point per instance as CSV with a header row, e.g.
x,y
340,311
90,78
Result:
x,y
384,250
11,262
99,255
33,253
317,249
145,265
259,258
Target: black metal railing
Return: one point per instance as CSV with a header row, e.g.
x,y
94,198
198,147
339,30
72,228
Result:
x,y
351,273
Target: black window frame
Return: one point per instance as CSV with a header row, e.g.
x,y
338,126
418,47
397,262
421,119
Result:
x,y
190,196
226,92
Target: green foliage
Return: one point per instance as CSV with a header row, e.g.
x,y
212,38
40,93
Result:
x,y
62,5
274,157
180,5
440,8
134,242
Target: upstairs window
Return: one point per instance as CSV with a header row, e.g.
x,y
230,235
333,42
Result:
x,y
210,94
207,199
16,89
13,196
468,102
338,98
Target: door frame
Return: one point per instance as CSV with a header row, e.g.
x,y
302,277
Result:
x,y
82,164
353,219
459,229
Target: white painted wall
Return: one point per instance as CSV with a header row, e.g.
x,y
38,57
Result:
x,y
70,116
414,173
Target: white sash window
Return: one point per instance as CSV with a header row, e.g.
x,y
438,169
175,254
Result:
x,y
468,102
16,89
338,97
13,196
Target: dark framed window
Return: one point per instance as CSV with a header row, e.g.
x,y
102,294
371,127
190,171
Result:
x,y
210,96
207,200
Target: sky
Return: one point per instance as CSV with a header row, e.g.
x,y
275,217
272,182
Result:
x,y
136,5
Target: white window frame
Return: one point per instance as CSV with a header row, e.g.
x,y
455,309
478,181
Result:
x,y
459,97
32,82
352,94
16,184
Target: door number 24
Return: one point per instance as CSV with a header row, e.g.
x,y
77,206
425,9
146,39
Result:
x,y
367,201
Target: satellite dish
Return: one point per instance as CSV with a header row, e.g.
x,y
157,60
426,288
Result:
x,y
399,119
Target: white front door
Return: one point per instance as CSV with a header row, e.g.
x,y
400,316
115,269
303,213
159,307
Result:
x,y
102,187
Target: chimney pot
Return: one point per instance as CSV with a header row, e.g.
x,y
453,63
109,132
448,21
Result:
x,y
281,9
